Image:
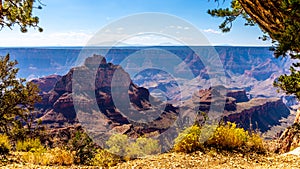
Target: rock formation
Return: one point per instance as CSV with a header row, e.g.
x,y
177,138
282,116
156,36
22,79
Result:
x,y
257,113
239,95
47,83
58,105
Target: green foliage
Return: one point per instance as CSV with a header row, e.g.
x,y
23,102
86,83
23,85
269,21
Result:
x,y
83,147
19,12
280,21
105,159
29,145
225,137
142,147
17,97
117,144
231,15
5,145
289,83
121,145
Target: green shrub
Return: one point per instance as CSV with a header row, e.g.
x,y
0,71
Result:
x,y
117,144
83,147
142,147
29,145
121,145
105,159
5,145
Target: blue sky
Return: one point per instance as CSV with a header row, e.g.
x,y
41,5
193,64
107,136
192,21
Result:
x,y
74,22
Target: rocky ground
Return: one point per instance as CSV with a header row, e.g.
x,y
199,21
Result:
x,y
214,160
211,159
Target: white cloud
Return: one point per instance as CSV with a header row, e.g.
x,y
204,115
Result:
x,y
32,67
211,31
67,38
71,38
178,27
150,39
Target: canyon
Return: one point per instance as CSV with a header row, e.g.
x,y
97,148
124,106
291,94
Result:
x,y
249,100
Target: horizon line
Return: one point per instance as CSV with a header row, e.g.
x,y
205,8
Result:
x,y
132,46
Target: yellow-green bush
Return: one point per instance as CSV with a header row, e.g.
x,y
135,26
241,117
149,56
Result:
x,y
228,137
5,145
29,145
117,144
142,147
105,159
225,137
54,156
255,143
121,145
189,140
61,157
37,157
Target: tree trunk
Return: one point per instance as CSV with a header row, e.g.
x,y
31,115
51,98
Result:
x,y
265,13
1,11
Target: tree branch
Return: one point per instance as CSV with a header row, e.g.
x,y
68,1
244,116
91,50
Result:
x,y
1,11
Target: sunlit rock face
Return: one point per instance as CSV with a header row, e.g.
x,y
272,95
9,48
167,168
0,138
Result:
x,y
57,107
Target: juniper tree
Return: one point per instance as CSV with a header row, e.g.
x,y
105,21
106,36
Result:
x,y
17,97
280,21
19,12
